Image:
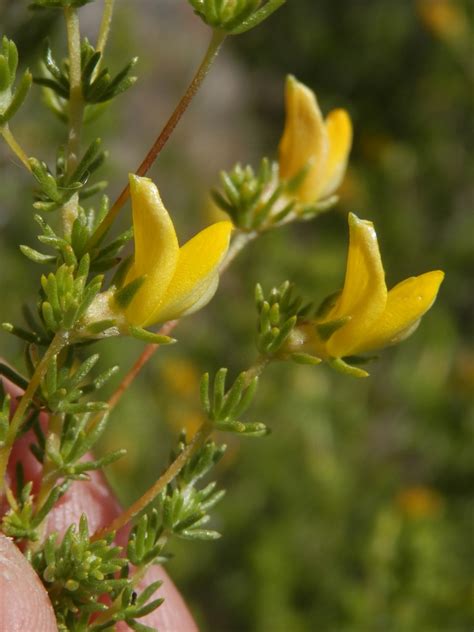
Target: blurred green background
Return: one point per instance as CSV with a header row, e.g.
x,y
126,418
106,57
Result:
x,y
355,514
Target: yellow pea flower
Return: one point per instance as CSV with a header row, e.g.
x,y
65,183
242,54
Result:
x,y
310,142
176,280
444,18
366,316
419,502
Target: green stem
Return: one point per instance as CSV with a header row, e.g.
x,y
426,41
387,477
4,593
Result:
x,y
175,468
53,443
256,370
146,354
76,102
49,475
14,145
239,242
104,29
160,142
59,342
170,474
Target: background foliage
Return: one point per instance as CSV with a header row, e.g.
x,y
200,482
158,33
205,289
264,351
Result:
x,y
354,513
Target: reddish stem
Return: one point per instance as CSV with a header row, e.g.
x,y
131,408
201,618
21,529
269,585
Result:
x,y
211,53
139,364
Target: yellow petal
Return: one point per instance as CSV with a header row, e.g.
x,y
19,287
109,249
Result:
x,y
197,273
339,130
406,304
156,249
364,295
304,140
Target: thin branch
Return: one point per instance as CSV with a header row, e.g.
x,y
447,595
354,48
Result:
x,y
160,142
104,29
139,364
57,344
173,470
76,101
16,148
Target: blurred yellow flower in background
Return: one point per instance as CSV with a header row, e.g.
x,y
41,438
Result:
x,y
176,281
321,146
419,502
365,316
443,18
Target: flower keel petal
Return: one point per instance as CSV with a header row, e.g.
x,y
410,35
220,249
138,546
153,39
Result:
x,y
197,275
406,304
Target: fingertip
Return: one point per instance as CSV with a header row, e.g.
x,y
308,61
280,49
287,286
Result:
x,y
173,615
24,603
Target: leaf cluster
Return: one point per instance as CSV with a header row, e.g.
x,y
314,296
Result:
x,y
63,387
98,86
260,200
73,247
250,197
22,520
66,295
77,572
55,189
224,408
62,393
131,606
184,508
278,315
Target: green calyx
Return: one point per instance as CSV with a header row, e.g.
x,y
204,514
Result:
x,y
234,16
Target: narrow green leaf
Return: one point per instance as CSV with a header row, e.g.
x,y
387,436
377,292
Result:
x,y
37,257
305,358
150,337
19,95
204,393
342,367
233,397
219,391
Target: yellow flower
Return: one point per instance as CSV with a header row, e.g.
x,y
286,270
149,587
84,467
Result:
x,y
444,18
365,316
419,502
310,142
176,280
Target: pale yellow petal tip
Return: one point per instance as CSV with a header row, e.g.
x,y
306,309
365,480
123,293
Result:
x,y
356,223
430,283
297,95
291,82
136,182
438,275
295,89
